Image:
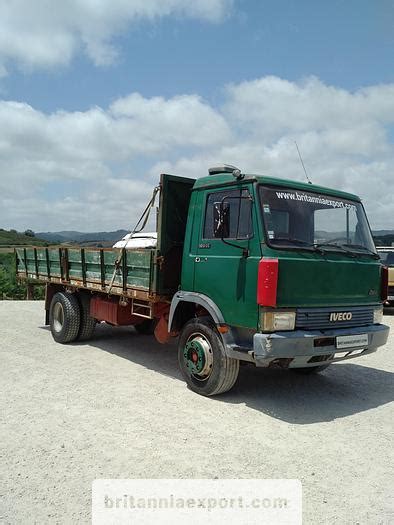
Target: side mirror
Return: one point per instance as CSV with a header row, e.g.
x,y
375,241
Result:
x,y
222,220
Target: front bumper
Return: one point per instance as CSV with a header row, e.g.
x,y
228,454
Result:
x,y
298,348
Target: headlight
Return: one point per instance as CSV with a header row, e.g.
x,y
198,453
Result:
x,y
277,321
378,315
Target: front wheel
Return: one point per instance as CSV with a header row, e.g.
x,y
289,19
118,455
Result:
x,y
203,361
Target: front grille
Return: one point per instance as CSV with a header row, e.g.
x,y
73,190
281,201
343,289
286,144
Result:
x,y
319,318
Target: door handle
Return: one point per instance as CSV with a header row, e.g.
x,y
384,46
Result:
x,y
199,259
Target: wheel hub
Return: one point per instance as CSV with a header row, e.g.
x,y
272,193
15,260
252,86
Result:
x,y
58,317
198,356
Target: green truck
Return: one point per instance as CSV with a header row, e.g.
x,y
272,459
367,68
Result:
x,y
247,268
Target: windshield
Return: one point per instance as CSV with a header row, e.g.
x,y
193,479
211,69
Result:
x,y
302,219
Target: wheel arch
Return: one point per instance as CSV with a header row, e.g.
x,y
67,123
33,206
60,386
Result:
x,y
184,303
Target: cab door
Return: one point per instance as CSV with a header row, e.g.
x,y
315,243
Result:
x,y
227,252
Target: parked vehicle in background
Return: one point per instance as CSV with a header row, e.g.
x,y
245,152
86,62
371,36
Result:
x,y
247,268
386,254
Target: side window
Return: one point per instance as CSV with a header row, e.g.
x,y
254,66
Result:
x,y
235,222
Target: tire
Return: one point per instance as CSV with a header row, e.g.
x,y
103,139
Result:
x,y
147,327
309,370
88,323
215,373
64,317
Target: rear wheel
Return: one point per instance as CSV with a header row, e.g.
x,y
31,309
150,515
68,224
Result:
x,y
203,360
88,323
64,317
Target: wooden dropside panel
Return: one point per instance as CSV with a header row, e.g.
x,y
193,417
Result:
x,y
54,262
86,265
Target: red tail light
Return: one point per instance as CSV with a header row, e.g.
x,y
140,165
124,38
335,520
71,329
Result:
x,y
267,282
384,291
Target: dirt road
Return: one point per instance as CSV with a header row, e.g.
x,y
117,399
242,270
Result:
x,y
116,407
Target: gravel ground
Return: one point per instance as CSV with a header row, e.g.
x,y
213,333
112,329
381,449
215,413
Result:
x,y
117,408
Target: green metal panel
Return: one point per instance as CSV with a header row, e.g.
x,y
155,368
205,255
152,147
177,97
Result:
x,y
74,263
42,261
332,279
138,268
92,265
31,265
54,262
110,256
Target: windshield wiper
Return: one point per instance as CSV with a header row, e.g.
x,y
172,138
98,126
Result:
x,y
339,247
292,239
362,247
305,245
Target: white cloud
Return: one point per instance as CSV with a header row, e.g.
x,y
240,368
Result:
x,y
94,170
85,150
272,106
44,34
132,126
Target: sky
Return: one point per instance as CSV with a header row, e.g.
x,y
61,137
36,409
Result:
x,y
98,97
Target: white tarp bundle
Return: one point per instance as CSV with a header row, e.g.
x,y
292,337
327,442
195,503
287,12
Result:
x,y
138,240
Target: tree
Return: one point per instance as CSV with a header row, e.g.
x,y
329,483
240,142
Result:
x,y
30,233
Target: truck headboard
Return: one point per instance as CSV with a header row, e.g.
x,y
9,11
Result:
x,y
173,212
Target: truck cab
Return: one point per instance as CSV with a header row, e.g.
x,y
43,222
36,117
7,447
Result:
x,y
276,273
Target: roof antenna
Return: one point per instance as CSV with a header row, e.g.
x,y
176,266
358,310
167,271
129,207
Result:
x,y
299,154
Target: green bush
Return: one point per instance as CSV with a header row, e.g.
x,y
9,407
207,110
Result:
x,y
9,287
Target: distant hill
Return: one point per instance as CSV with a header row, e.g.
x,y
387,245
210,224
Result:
x,y
12,237
82,238
379,233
